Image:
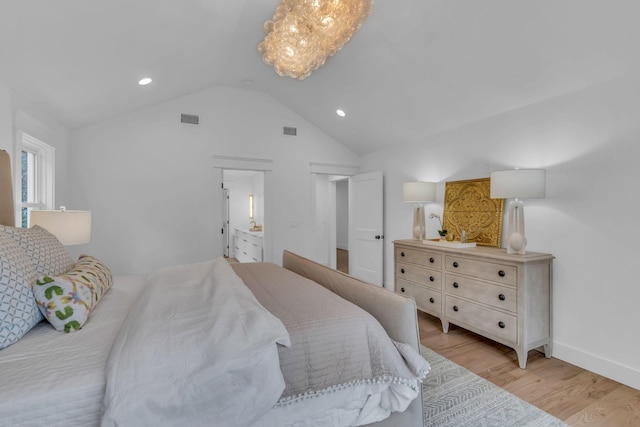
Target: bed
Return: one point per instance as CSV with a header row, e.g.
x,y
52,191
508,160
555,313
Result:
x,y
204,344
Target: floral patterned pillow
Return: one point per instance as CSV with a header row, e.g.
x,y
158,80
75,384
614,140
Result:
x,y
67,300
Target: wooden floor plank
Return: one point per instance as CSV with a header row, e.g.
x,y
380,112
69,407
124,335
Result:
x,y
620,407
570,393
342,260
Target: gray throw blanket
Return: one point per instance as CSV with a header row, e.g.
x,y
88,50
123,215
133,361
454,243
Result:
x,y
334,343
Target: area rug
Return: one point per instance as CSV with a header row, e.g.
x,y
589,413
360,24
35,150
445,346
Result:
x,y
455,396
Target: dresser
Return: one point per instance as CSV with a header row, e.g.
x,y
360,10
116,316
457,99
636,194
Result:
x,y
506,298
248,246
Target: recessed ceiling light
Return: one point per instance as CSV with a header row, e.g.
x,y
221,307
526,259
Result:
x,y
340,112
145,81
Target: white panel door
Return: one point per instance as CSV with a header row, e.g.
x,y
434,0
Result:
x,y
226,238
366,234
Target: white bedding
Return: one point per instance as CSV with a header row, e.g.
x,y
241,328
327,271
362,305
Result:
x,y
196,349
53,378
33,369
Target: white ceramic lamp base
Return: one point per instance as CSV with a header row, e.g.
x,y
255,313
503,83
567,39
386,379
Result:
x,y
418,222
516,241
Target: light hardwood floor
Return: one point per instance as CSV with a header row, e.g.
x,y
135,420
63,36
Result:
x,y
342,260
574,395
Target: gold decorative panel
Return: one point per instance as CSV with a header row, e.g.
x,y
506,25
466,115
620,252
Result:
x,y
467,206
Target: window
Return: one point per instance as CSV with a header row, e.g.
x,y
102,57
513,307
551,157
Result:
x,y
34,176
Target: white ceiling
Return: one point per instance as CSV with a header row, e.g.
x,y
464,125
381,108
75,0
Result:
x,y
415,68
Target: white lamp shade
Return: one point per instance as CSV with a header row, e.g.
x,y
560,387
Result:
x,y
518,183
418,192
70,227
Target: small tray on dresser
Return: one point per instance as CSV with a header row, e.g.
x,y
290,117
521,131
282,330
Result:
x,y
447,244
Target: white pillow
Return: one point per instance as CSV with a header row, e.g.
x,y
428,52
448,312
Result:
x,y
18,309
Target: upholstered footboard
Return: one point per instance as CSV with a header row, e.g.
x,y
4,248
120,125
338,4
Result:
x,y
396,313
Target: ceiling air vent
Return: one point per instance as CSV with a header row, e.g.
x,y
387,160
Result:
x,y
191,119
287,130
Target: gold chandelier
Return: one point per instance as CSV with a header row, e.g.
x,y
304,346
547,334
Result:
x,y
304,33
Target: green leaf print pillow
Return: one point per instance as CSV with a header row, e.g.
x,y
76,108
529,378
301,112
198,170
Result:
x,y
67,300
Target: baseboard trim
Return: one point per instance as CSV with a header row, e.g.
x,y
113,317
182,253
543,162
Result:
x,y
623,374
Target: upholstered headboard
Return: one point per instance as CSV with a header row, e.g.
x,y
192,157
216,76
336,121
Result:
x,y
7,214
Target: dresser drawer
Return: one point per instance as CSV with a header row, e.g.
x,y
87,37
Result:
x,y
500,273
484,319
502,297
427,300
423,276
414,256
254,251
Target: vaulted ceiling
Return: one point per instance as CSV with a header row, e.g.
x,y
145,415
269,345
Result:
x,y
415,68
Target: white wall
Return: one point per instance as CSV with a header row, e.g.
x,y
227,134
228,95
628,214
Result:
x,y
16,112
321,234
239,191
30,119
149,179
239,207
257,189
6,119
589,142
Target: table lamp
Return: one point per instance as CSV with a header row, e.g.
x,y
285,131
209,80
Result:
x,y
418,193
517,184
70,227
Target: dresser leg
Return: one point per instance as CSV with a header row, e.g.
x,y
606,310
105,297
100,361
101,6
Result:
x,y
522,358
445,326
547,351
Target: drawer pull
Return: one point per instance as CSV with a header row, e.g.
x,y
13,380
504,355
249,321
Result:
x,y
502,297
455,264
431,300
501,273
402,270
502,325
401,254
431,260
402,290
455,285
455,308
432,279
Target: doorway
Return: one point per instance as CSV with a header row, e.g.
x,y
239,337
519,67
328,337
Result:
x,y
342,225
327,218
243,215
365,223
265,166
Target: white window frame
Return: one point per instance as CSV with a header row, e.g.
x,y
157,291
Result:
x,y
45,173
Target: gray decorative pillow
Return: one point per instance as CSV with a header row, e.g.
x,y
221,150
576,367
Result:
x,y
47,254
18,309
